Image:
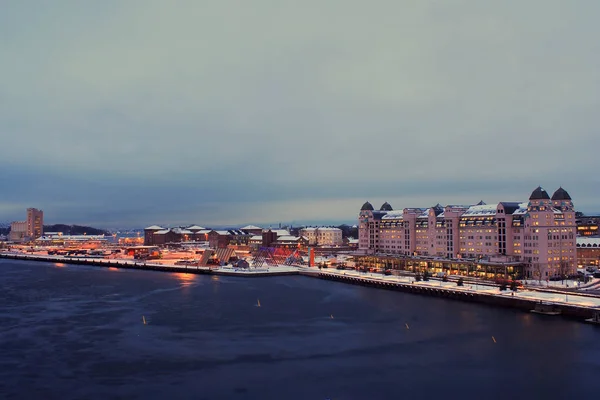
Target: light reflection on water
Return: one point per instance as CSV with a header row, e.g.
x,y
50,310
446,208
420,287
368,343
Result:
x,y
185,279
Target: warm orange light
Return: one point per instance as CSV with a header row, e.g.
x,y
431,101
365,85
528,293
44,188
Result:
x,y
60,265
186,279
113,268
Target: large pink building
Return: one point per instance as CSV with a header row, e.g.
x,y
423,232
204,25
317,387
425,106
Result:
x,y
540,233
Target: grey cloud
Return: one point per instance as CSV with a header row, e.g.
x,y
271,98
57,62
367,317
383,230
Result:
x,y
227,102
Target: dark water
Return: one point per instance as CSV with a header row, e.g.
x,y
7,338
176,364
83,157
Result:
x,y
77,332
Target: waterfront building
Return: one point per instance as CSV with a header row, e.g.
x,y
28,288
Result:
x,y
252,230
588,251
35,223
18,231
587,225
71,241
219,239
535,239
156,235
291,242
149,234
323,236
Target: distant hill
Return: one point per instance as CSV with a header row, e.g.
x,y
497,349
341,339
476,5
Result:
x,y
74,229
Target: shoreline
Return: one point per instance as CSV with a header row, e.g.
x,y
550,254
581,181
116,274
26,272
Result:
x,y
578,308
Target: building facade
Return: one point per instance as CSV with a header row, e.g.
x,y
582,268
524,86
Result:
x,y
18,231
588,251
35,223
587,225
323,236
540,233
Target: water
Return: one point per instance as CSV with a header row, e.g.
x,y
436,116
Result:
x,y
73,332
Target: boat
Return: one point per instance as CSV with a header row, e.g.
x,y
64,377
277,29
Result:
x,y
257,303
546,309
595,319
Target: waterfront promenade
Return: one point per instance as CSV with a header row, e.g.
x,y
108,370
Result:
x,y
580,305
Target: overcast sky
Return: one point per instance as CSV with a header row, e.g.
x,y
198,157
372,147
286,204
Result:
x,y
129,113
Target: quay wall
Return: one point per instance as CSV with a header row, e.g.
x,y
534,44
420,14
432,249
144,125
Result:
x,y
569,311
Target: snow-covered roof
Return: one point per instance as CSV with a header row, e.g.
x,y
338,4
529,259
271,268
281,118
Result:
x,y
396,214
521,210
204,231
195,228
588,242
256,237
181,231
289,238
484,210
71,237
154,227
251,227
162,232
223,232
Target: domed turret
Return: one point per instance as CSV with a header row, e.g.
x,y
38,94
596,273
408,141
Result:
x,y
539,194
367,207
561,194
386,207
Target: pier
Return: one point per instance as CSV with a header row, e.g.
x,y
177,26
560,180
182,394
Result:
x,y
149,266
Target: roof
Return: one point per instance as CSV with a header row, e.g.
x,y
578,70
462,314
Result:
x,y
561,194
181,231
153,228
256,237
72,237
522,210
539,194
367,207
484,210
251,227
290,238
386,207
397,214
510,206
195,228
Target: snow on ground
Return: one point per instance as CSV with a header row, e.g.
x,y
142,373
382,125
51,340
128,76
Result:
x,y
566,284
559,298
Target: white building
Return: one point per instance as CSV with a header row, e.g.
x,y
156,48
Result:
x,y
323,236
18,231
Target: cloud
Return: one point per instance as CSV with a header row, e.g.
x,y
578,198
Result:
x,y
145,110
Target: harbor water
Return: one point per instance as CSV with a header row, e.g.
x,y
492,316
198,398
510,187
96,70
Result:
x,y
79,332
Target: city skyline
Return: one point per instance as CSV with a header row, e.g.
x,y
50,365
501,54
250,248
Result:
x,y
125,114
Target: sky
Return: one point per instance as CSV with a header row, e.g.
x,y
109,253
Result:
x,y
126,113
